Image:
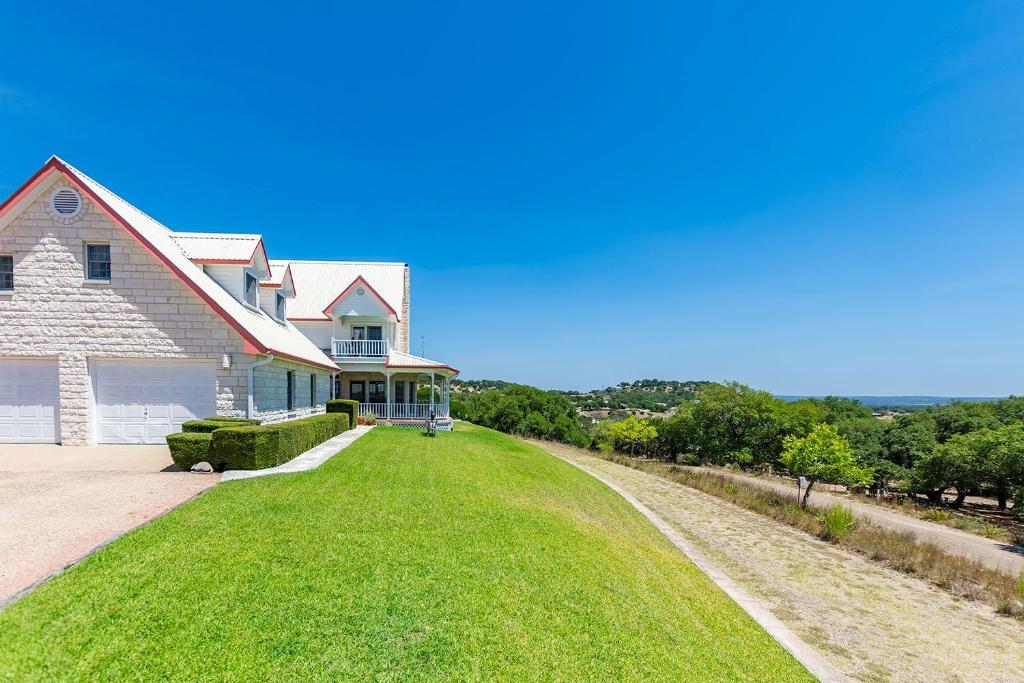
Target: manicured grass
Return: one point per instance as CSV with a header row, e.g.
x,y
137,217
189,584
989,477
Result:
x,y
466,556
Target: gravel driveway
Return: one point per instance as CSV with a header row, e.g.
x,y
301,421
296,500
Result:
x,y
873,623
59,503
995,554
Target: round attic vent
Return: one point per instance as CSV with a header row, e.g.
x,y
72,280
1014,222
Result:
x,y
360,290
66,202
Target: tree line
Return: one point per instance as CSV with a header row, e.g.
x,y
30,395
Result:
x,y
971,448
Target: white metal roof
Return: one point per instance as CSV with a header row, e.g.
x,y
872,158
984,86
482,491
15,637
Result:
x,y
218,247
318,283
398,359
272,336
278,269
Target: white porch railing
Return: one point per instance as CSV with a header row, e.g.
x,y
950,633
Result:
x,y
360,348
402,411
272,416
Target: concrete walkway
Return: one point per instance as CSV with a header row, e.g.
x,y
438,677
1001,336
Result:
x,y
311,459
995,554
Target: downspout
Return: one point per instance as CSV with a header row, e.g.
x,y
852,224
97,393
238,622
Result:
x,y
268,359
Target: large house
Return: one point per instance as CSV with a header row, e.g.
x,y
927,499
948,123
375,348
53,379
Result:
x,y
116,329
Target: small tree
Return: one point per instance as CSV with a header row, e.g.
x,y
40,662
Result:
x,y
633,432
823,455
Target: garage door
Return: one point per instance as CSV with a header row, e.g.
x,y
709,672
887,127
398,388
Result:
x,y
28,401
142,402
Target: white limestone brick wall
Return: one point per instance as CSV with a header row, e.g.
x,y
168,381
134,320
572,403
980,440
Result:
x,y
270,389
144,312
402,342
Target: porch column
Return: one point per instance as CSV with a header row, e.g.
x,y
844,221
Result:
x,y
334,331
431,392
387,394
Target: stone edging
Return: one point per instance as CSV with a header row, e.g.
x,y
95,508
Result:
x,y
804,653
311,459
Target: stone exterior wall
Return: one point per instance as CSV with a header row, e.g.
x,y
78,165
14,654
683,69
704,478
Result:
x,y
144,312
270,389
403,327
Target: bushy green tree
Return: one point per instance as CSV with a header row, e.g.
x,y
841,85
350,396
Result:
x,y
963,418
526,411
986,459
734,419
631,434
823,455
910,437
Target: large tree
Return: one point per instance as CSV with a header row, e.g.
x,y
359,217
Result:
x,y
984,460
823,455
733,422
632,433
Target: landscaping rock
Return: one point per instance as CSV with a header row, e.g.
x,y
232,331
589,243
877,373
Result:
x,y
203,467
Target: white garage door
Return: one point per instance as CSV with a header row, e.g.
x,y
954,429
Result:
x,y
143,401
28,401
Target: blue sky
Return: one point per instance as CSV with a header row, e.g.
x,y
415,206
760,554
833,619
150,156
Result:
x,y
819,199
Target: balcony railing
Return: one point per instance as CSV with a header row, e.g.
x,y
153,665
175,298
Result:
x,y
403,411
360,348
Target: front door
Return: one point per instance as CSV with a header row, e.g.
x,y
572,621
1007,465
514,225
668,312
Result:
x,y
377,392
357,391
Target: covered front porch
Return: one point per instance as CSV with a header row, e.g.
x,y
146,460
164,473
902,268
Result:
x,y
402,397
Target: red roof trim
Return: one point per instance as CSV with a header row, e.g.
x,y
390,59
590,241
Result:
x,y
287,275
360,279
37,178
117,218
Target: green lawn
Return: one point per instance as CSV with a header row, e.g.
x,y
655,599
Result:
x,y
466,556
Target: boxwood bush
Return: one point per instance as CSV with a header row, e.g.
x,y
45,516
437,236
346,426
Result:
x,y
254,448
233,421
344,405
202,426
188,448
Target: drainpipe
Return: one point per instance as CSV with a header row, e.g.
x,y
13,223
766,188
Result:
x,y
268,359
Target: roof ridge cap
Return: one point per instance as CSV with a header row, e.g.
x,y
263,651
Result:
x,y
106,189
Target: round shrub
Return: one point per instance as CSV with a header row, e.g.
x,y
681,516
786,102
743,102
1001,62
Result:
x,y
188,448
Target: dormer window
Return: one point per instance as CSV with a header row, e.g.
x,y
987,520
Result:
x,y
252,290
279,309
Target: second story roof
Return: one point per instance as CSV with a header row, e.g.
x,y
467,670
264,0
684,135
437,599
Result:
x,y
319,283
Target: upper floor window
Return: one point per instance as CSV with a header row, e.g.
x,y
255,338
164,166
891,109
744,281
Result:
x,y
252,291
97,262
279,310
6,272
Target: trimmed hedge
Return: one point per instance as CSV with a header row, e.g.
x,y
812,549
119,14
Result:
x,y
255,448
202,426
233,421
188,448
344,405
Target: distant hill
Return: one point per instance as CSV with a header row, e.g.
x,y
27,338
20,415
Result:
x,y
906,403
659,395
656,395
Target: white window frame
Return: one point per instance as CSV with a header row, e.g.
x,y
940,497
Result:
x,y
7,290
245,289
280,306
85,258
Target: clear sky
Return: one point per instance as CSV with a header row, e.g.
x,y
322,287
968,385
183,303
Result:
x,y
802,197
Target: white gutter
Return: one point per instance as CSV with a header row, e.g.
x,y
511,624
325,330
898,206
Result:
x,y
268,359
